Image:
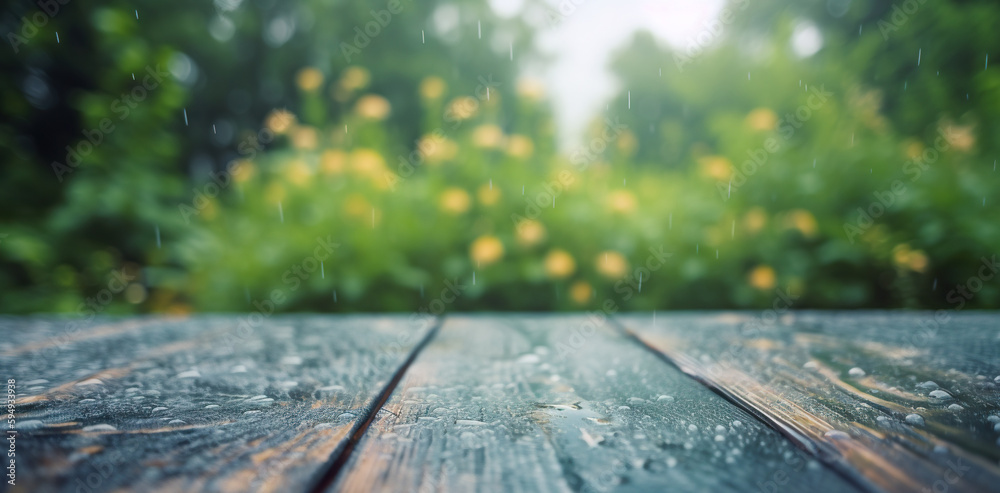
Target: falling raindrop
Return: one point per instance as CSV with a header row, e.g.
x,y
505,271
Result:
x,y
748,75
661,71
137,14
987,65
814,162
157,236
624,181
281,213
934,287
918,56
716,254
334,295
630,99
487,93
213,129
57,37
512,51
345,129
422,40
905,82
640,281
322,271
852,138
133,75
479,25
473,278
696,248
185,117
859,28
491,183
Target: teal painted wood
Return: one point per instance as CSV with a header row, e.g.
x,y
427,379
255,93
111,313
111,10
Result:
x,y
194,404
907,401
535,403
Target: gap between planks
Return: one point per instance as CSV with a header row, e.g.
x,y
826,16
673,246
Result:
x,y
831,459
327,475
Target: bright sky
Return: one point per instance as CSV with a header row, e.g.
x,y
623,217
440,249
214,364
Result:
x,y
579,82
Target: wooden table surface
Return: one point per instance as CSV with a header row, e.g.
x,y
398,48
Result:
x,y
679,401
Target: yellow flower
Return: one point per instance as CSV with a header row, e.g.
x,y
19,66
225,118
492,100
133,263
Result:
x,y
621,201
304,138
762,119
462,108
716,167
354,78
299,173
432,87
357,206
762,277
436,149
486,250
961,137
530,89
803,221
530,232
755,219
559,264
915,260
611,264
454,201
367,162
278,121
372,106
309,79
581,292
627,143
332,161
244,171
488,195
489,136
520,146
274,193
913,148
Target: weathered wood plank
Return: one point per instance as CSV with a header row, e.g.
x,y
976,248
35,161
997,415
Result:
x,y
199,404
534,403
904,401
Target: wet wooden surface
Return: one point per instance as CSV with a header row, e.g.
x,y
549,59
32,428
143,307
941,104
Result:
x,y
905,401
563,403
508,402
198,404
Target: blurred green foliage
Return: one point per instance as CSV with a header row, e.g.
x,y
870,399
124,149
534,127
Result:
x,y
426,162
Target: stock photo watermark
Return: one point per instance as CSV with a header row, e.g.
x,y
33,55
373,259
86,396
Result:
x,y
430,144
884,199
363,36
29,27
122,107
786,127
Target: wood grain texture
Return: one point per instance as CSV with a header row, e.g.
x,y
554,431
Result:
x,y
905,401
196,404
563,403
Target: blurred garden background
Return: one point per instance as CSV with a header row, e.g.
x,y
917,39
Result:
x,y
334,156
